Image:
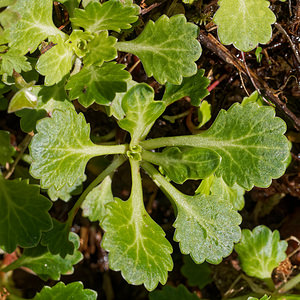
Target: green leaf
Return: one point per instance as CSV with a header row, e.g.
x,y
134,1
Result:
x,y
100,49
78,41
139,247
61,149
244,23
181,164
194,87
254,97
7,2
6,149
265,297
34,26
115,109
24,98
57,239
111,15
98,84
94,204
234,194
46,265
140,110
167,48
260,251
206,226
66,192
197,275
61,291
204,113
55,63
70,5
23,215
250,140
14,60
172,293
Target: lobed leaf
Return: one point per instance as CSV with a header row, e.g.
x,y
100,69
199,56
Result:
x,y
78,41
34,26
140,110
6,149
23,215
100,49
250,140
61,149
98,84
55,63
57,239
111,15
46,265
14,60
197,275
206,226
181,164
260,251
194,87
244,23
174,293
94,204
138,248
167,48
61,291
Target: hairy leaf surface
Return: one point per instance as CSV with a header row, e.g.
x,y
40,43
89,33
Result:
x,y
138,248
61,149
174,293
94,205
23,215
34,26
206,226
100,49
194,87
6,149
167,48
186,163
98,84
61,291
250,140
46,265
244,23
111,15
260,251
140,110
14,60
56,62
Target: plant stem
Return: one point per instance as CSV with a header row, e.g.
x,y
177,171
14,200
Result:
x,y
97,150
290,284
118,161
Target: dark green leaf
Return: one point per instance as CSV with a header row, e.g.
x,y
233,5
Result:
x,y
6,149
197,275
23,215
46,265
57,239
194,87
181,164
172,293
98,84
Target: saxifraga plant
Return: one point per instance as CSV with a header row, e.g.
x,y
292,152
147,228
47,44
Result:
x,y
46,69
